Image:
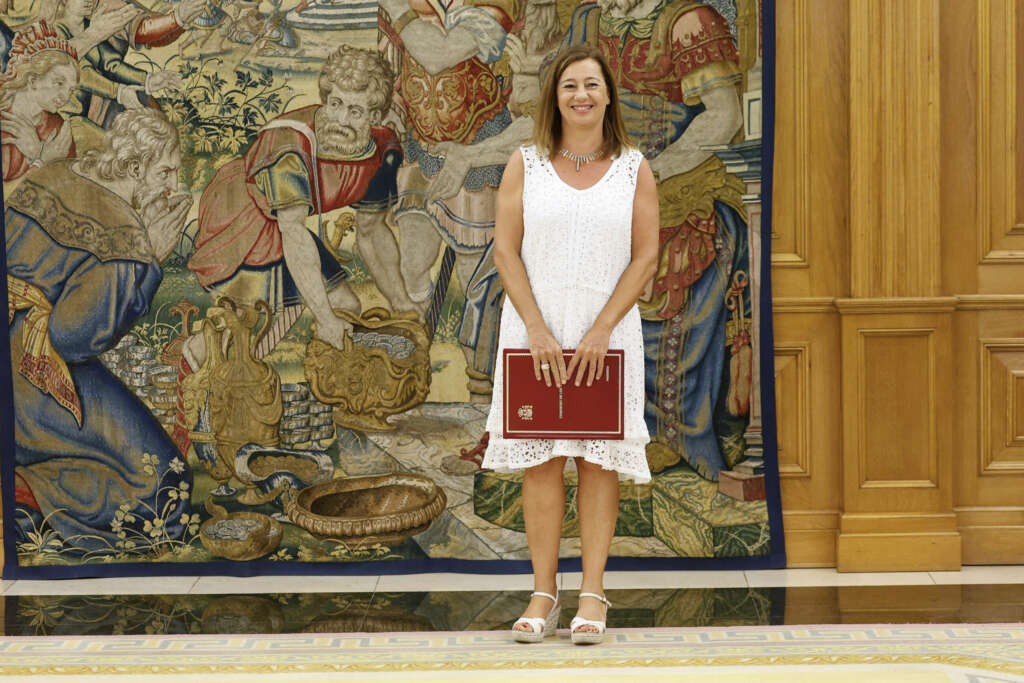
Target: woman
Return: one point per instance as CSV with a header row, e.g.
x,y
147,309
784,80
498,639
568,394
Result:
x,y
576,240
41,76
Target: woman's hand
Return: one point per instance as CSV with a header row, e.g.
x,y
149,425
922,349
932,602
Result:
x,y
547,356
588,361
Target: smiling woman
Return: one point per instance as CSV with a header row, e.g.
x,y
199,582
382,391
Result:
x,y
41,75
595,249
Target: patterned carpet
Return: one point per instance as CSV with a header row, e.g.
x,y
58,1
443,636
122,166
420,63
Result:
x,y
767,654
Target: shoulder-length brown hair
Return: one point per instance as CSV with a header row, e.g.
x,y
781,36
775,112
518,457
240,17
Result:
x,y
547,122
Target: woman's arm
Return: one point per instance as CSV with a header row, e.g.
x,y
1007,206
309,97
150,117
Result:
x,y
588,361
508,241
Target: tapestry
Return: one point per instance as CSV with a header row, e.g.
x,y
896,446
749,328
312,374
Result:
x,y
252,299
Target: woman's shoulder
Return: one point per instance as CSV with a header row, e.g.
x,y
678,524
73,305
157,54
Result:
x,y
631,158
528,152
631,154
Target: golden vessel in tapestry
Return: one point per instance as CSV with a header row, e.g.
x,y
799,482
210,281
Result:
x,y
383,370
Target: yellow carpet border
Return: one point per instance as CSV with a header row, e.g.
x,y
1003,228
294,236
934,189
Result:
x,y
950,660
998,648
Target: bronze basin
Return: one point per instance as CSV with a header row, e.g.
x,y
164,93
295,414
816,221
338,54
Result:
x,y
257,536
381,508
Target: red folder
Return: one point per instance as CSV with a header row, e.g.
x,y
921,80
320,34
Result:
x,y
533,410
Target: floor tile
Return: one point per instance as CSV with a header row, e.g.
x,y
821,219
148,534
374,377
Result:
x,y
147,585
976,575
830,577
455,582
285,584
617,580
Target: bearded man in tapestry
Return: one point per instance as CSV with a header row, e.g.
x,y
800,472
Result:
x,y
253,243
85,240
677,67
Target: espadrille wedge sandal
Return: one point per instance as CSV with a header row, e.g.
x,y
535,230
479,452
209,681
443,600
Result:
x,y
589,637
540,627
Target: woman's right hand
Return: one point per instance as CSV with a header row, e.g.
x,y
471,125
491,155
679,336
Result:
x,y
548,361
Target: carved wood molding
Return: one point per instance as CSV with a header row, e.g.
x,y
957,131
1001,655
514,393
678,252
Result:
x,y
896,305
817,304
989,302
1001,413
793,198
1001,235
873,408
793,390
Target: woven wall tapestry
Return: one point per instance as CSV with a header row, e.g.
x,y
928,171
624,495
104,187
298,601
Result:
x,y
252,301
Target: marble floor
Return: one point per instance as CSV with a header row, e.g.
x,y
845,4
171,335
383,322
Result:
x,y
614,580
453,602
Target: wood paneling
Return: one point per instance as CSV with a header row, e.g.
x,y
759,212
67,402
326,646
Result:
x,y
894,148
810,211
792,402
810,266
793,214
896,444
1001,427
999,131
898,281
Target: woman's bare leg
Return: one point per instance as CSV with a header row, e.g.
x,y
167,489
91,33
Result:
x,y
598,503
543,510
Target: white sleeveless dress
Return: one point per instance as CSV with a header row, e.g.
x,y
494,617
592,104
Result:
x,y
576,244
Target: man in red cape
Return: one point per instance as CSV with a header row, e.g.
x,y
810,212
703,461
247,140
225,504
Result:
x,y
253,242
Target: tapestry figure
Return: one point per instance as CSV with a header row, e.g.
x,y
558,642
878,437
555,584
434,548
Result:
x,y
253,243
460,133
41,75
85,240
110,84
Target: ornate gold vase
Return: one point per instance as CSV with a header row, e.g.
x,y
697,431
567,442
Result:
x,y
242,394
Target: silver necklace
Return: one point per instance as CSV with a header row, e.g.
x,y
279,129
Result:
x,y
579,158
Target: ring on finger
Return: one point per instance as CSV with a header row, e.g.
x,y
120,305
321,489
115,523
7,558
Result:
x,y
545,365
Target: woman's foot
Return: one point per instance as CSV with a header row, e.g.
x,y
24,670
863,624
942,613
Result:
x,y
540,618
588,626
592,609
539,607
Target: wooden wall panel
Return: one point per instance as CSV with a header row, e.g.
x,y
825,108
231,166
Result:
x,y
809,420
894,148
810,234
810,240
793,200
1001,427
792,399
1000,200
896,408
899,203
983,185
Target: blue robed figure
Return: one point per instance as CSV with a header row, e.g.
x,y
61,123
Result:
x,y
90,462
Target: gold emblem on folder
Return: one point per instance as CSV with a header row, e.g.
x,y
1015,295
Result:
x,y
525,412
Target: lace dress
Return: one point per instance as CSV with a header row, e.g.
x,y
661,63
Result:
x,y
576,244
